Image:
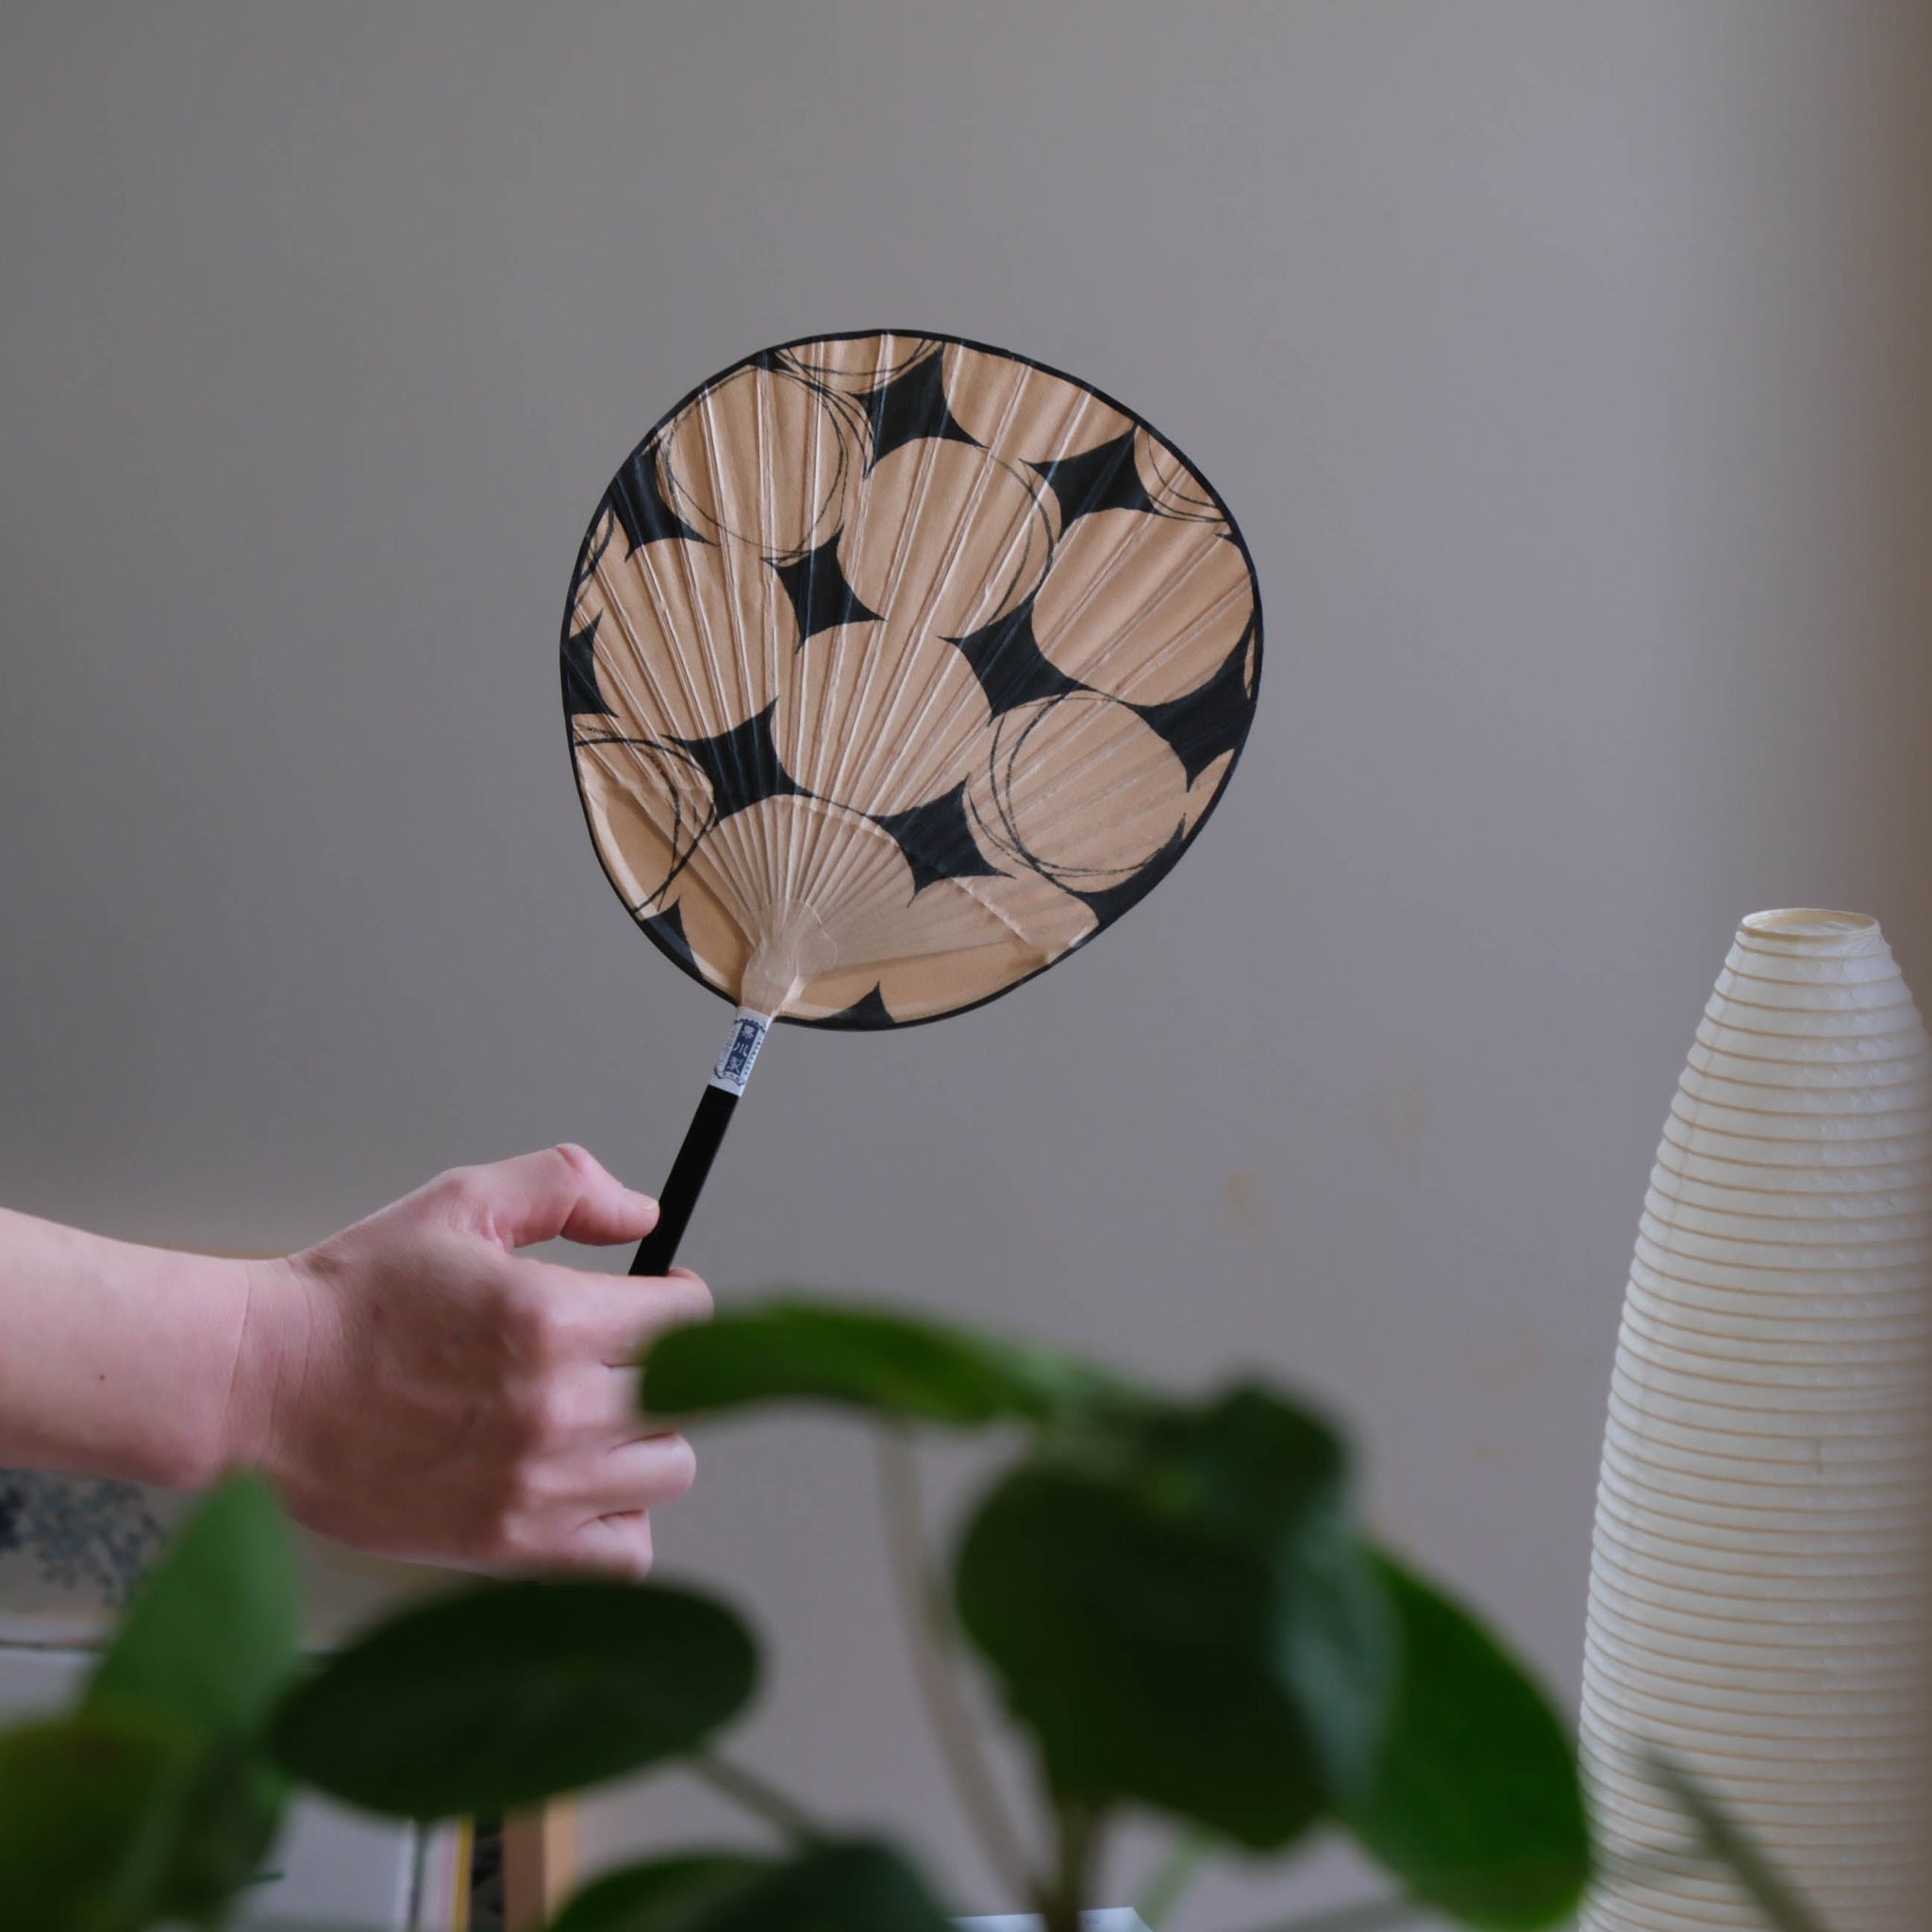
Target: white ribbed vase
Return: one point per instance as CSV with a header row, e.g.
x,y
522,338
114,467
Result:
x,y
1757,1607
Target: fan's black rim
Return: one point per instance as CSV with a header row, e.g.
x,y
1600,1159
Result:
x,y
1157,871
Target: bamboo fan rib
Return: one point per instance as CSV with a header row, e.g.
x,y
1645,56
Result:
x,y
895,668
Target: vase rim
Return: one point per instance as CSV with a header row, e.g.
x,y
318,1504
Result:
x,y
1806,923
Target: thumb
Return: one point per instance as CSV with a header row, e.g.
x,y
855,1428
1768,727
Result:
x,y
562,1190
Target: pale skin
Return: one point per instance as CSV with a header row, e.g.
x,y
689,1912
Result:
x,y
413,1386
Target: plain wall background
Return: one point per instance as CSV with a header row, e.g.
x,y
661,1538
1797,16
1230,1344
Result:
x,y
1566,367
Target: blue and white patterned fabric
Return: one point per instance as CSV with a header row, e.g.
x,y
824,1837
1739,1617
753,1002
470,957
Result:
x,y
72,1548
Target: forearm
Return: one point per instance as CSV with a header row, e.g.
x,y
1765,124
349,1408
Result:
x,y
412,1385
115,1359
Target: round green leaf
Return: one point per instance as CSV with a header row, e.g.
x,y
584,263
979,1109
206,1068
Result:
x,y
853,1356
1253,1469
1137,1654
513,1693
91,1807
1180,1617
211,1642
213,1632
848,1887
1474,1802
665,1895
228,1827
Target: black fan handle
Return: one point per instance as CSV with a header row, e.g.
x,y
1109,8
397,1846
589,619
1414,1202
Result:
x,y
702,1140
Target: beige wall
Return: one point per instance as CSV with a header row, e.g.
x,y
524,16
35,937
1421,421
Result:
x,y
1567,366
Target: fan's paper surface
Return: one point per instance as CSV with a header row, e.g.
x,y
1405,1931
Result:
x,y
895,667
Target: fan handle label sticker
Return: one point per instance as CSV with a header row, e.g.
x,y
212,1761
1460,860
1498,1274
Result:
x,y
733,1071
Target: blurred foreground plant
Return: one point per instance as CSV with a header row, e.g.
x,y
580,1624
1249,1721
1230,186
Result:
x,y
1719,1841
1174,1601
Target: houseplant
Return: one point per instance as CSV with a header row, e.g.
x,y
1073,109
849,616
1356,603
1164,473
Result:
x,y
1173,1598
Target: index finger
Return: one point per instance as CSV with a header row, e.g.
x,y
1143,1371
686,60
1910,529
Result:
x,y
536,1197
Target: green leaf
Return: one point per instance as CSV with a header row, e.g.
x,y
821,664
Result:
x,y
213,1632
855,1357
1256,1468
91,1808
233,1812
665,1895
1476,1804
511,1692
1180,1617
1137,1652
211,1640
845,1886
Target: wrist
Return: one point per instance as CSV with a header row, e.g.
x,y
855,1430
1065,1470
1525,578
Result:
x,y
273,1340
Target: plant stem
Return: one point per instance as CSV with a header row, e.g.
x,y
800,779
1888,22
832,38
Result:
x,y
1729,1844
929,1637
1371,1915
1171,1878
1646,1867
1076,1839
750,1793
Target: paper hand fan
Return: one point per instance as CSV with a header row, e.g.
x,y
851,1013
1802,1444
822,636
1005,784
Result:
x,y
895,668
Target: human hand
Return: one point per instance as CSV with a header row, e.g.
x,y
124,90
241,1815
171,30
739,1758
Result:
x,y
416,1388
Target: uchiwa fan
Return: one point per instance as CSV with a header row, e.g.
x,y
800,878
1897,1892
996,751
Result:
x,y
897,667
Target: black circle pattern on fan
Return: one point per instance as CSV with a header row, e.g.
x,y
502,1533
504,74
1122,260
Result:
x,y
897,666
